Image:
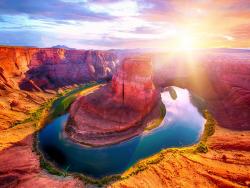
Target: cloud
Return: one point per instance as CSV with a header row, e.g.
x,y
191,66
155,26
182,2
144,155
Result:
x,y
146,30
114,42
56,9
241,32
124,23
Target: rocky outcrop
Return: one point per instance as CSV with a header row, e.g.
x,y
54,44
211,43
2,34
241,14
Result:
x,y
50,68
132,83
37,70
19,167
227,164
116,111
222,79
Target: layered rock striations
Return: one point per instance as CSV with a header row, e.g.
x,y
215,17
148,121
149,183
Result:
x,y
50,68
117,111
25,73
132,83
222,79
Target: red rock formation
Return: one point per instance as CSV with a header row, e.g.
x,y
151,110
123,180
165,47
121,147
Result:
x,y
49,68
19,167
132,84
222,79
116,112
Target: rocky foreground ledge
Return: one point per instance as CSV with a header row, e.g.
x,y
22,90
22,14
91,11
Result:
x,y
117,111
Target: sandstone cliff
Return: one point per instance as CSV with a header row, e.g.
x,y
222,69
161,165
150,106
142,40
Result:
x,y
222,79
50,68
132,83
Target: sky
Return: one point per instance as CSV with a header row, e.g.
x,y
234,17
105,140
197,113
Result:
x,y
110,24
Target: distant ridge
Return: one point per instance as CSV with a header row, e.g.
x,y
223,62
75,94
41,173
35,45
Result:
x,y
63,47
152,50
231,50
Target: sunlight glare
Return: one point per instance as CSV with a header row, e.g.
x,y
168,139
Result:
x,y
186,43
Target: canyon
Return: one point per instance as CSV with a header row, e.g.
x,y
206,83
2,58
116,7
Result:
x,y
222,79
117,111
31,76
37,69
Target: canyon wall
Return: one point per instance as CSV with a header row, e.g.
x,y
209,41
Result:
x,y
50,68
132,83
119,110
222,79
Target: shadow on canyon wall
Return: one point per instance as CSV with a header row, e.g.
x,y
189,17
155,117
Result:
x,y
221,79
37,69
53,68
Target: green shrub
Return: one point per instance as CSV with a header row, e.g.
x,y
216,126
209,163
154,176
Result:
x,y
99,182
209,128
62,104
45,165
201,148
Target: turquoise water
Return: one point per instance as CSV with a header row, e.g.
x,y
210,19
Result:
x,y
181,126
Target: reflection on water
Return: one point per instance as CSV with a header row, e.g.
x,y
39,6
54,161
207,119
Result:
x,y
181,126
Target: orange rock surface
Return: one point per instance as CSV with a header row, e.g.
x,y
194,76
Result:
x,y
116,112
132,83
19,164
19,167
227,163
50,68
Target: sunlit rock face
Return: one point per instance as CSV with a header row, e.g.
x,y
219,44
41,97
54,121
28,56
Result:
x,y
116,111
231,82
222,79
13,64
50,68
132,84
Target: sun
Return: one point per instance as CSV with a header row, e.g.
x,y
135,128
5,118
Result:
x,y
184,41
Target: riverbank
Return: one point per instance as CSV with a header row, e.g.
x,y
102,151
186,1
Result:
x,y
156,116
225,164
19,164
57,126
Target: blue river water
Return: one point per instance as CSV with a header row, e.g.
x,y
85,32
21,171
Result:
x,y
182,126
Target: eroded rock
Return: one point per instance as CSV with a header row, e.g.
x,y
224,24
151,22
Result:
x,y
222,79
116,111
37,69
